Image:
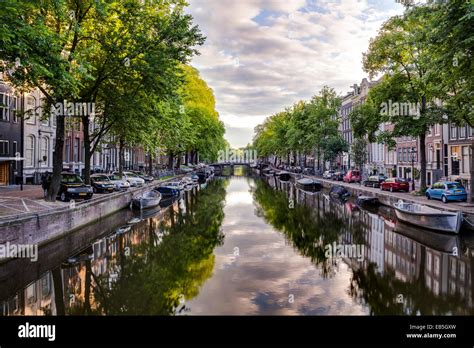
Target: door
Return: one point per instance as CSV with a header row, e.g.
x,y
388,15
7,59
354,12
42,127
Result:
x,y
4,173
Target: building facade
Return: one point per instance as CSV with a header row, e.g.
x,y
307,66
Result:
x,y
11,145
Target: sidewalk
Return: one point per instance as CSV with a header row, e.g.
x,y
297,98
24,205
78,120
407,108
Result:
x,y
13,201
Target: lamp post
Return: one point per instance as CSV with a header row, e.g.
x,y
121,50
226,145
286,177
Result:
x,y
413,153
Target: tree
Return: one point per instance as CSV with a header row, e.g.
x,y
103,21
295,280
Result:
x,y
333,147
359,152
81,50
401,51
452,46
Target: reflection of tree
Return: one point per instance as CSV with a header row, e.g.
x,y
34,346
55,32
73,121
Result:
x,y
304,225
153,280
380,292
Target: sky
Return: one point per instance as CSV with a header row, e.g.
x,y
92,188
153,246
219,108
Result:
x,y
261,56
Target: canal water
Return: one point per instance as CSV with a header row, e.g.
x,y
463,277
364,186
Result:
x,y
248,246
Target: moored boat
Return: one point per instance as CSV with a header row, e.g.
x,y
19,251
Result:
x,y
428,217
284,176
149,199
167,190
339,191
308,184
366,200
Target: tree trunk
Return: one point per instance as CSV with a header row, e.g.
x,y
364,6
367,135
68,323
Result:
x,y
121,157
186,158
57,160
422,152
150,163
58,291
171,160
178,161
471,169
87,150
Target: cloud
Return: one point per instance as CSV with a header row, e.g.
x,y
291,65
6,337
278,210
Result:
x,y
263,55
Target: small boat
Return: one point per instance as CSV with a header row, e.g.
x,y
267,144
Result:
x,y
202,175
176,184
366,200
123,229
428,217
443,242
284,176
149,199
307,184
133,221
187,182
167,190
339,191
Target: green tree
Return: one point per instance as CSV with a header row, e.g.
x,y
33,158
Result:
x,y
359,152
401,52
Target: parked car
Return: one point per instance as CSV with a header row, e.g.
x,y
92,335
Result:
x,y
395,184
352,176
328,174
447,191
132,178
120,184
73,187
101,183
338,176
146,177
374,180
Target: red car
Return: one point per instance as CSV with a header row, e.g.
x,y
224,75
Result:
x,y
352,176
395,184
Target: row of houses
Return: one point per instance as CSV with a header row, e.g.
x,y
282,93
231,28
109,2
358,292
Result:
x,y
447,147
28,136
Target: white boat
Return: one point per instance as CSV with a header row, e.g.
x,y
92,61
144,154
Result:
x,y
428,217
149,199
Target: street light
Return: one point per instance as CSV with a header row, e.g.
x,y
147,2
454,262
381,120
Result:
x,y
412,151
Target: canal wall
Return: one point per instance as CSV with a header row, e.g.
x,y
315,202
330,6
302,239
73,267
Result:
x,y
43,227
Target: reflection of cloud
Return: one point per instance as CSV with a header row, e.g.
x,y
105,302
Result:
x,y
267,271
263,55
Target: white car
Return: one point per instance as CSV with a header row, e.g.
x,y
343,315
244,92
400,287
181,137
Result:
x,y
119,183
132,178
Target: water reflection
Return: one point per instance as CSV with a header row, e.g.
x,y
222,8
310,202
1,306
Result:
x,y
151,269
239,245
406,270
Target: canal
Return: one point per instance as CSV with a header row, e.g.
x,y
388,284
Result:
x,y
248,246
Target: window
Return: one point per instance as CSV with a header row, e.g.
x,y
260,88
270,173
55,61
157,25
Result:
x,y
437,129
44,151
454,131
31,110
462,270
453,267
465,159
428,262
30,151
14,108
462,132
76,150
67,148
4,147
15,151
4,110
436,265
